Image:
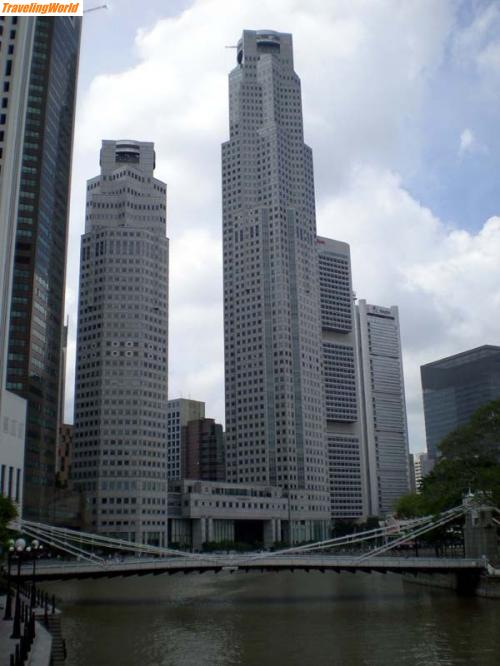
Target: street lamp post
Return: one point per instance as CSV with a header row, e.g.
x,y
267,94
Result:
x,y
8,601
20,549
36,548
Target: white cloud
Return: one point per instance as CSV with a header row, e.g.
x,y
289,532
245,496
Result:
x,y
366,70
444,280
469,143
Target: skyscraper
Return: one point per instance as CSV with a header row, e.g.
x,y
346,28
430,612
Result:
x,y
119,451
455,387
347,463
384,405
38,63
275,414
203,451
180,412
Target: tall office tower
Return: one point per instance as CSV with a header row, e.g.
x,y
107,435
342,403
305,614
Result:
x,y
119,449
38,65
202,448
455,387
384,405
180,411
275,416
347,463
422,465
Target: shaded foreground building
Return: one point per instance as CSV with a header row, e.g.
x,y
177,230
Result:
x,y
275,413
120,454
455,387
180,412
346,457
384,405
39,62
202,445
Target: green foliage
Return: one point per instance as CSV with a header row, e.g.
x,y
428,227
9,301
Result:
x,y
470,460
7,513
411,506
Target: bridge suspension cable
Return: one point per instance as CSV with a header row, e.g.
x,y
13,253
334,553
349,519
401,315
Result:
x,y
426,523
64,539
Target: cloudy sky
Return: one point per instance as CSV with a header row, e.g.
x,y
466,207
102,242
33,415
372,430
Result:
x,y
401,108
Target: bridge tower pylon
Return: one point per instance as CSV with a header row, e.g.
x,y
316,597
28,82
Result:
x,y
480,531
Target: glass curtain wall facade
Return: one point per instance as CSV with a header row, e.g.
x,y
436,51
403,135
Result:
x,y
455,387
37,302
275,416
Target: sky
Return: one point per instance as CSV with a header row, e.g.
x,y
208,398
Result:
x,y
400,102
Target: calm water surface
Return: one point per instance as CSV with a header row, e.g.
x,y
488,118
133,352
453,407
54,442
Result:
x,y
280,619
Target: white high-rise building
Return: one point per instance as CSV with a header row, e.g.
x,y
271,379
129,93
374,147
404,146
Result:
x,y
275,413
347,463
384,405
120,453
180,412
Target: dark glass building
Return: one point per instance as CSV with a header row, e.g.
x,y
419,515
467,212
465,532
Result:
x,y
202,450
37,304
455,387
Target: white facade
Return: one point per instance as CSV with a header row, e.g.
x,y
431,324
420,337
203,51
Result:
x,y
180,412
12,431
423,465
384,405
15,62
120,453
275,417
346,453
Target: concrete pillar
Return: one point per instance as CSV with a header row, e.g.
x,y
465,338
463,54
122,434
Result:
x,y
278,530
480,534
268,533
199,533
209,529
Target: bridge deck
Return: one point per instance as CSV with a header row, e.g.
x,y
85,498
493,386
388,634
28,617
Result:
x,y
57,570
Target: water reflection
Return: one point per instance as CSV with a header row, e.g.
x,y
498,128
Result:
x,y
280,619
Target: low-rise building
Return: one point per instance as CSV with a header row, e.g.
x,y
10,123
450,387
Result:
x,y
211,512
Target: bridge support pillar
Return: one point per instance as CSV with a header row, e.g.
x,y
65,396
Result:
x,y
480,534
467,582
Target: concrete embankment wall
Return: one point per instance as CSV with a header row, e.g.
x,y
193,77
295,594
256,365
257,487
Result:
x,y
489,586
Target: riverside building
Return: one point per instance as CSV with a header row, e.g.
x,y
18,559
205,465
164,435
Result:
x,y
275,410
38,65
340,358
455,387
384,405
119,449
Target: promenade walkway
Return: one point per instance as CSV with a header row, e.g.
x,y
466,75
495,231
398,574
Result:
x,y
40,652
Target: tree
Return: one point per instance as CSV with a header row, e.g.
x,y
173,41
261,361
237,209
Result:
x,y
7,513
470,460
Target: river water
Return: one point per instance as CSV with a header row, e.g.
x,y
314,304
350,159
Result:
x,y
280,619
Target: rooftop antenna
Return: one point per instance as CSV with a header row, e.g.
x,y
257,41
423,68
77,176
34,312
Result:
x,y
95,9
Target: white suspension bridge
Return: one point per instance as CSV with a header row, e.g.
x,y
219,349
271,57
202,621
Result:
x,y
378,548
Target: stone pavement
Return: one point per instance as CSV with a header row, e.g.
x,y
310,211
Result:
x,y
40,650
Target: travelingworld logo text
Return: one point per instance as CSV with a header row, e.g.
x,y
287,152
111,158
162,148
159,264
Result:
x,y
42,9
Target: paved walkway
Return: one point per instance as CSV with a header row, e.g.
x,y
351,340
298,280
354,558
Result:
x,y
40,650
